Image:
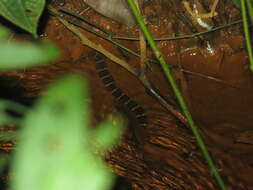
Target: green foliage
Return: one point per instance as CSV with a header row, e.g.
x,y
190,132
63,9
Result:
x,y
16,55
167,71
55,148
21,55
5,117
23,13
250,9
8,135
246,9
107,133
248,5
4,33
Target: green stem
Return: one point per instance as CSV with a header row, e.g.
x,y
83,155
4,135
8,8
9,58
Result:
x,y
246,33
250,8
177,92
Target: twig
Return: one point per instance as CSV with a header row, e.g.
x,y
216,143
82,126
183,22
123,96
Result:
x,y
105,37
143,49
171,80
183,37
132,70
211,14
64,10
97,47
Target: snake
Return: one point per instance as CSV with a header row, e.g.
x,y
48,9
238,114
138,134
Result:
x,y
119,95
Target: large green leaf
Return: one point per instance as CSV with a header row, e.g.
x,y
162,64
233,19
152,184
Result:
x,y
4,33
23,13
54,151
21,55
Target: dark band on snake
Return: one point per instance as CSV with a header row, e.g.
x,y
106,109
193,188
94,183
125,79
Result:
x,y
118,93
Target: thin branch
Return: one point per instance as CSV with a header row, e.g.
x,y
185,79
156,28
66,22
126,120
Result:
x,y
97,47
144,80
183,106
186,36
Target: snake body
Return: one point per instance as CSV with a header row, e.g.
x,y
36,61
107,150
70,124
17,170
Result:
x,y
119,95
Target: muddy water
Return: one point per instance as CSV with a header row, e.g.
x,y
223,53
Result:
x,y
222,106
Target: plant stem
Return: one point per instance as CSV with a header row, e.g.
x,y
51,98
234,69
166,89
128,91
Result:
x,y
250,9
246,33
177,92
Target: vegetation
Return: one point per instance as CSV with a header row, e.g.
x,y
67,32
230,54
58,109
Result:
x,y
180,99
56,147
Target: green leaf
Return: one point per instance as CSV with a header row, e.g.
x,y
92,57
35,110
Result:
x,y
9,105
21,55
107,134
8,135
4,33
54,151
23,13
